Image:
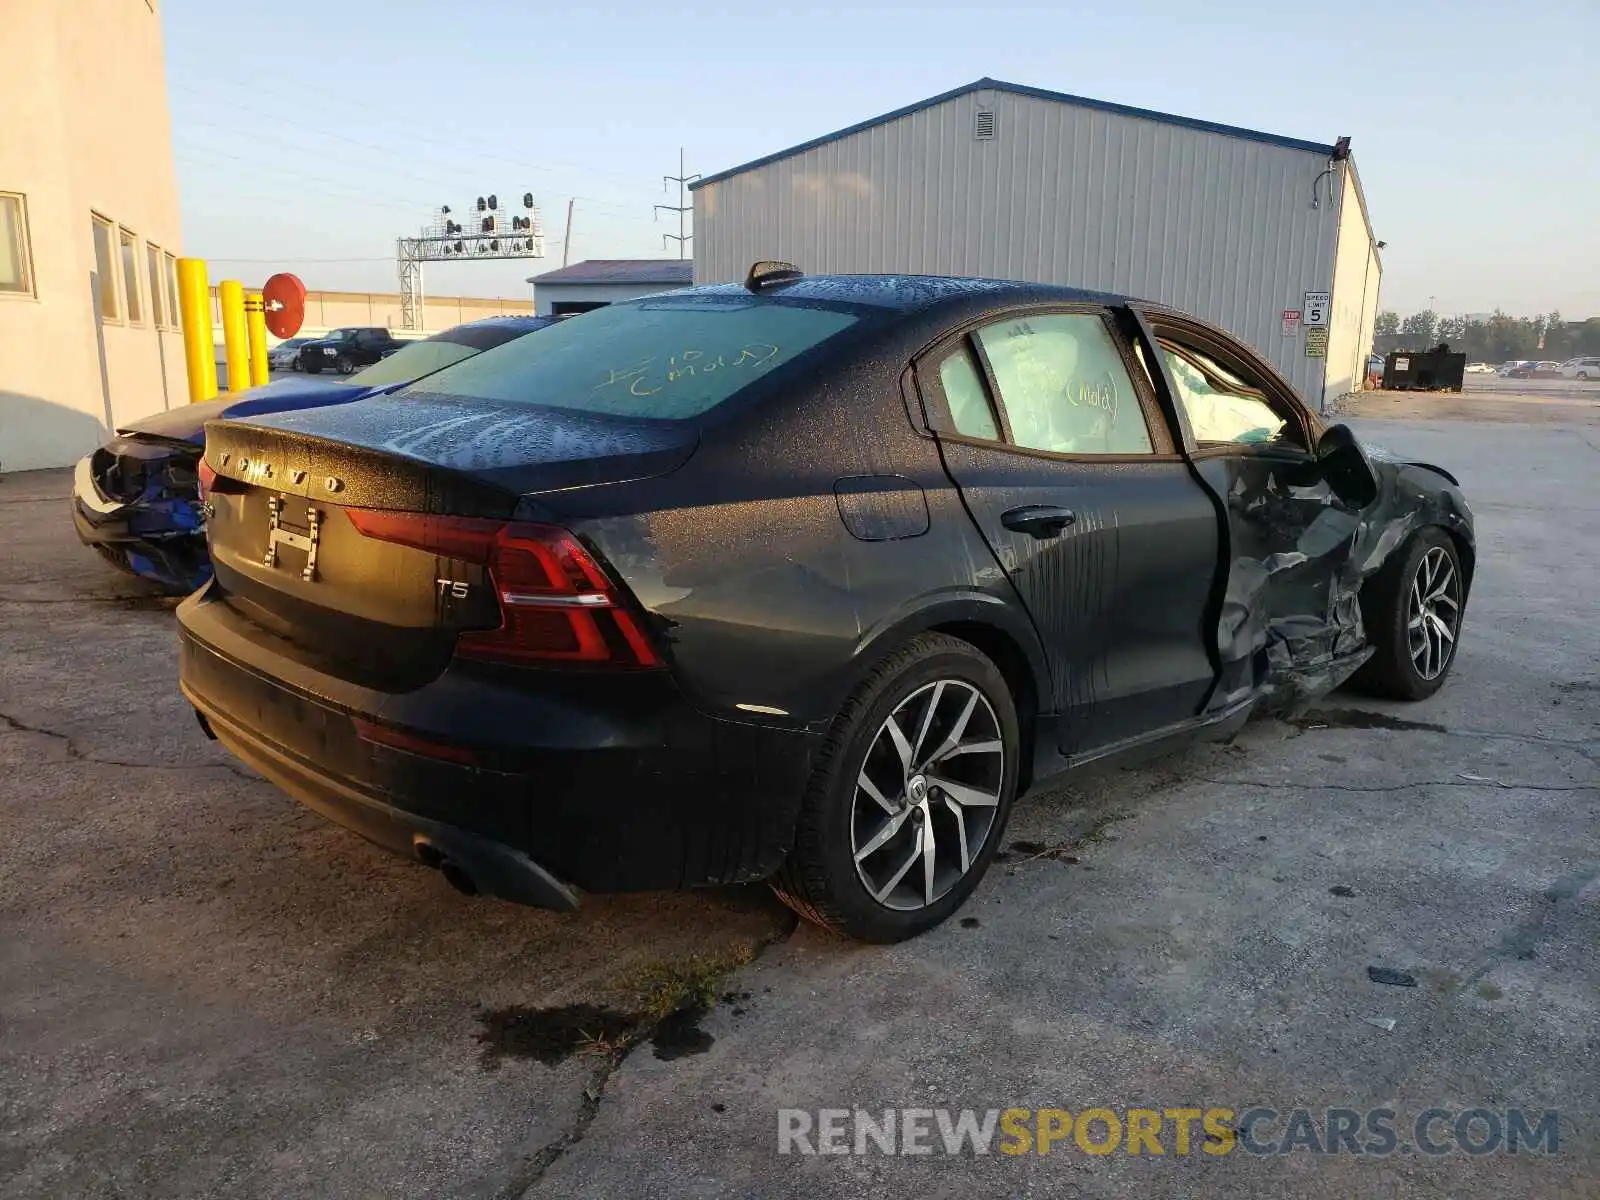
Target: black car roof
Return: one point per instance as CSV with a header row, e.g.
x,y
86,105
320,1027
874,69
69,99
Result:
x,y
491,331
506,321
911,293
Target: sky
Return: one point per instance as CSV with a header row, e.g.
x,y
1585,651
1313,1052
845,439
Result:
x,y
309,135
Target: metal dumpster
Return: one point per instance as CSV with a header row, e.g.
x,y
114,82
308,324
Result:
x,y
1436,370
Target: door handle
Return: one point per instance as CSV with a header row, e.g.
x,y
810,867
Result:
x,y
1038,520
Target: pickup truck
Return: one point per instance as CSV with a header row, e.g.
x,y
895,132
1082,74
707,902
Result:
x,y
347,350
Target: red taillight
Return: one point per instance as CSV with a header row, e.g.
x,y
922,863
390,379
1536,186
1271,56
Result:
x,y
556,604
208,478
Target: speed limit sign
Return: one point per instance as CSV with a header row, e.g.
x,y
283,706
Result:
x,y
1316,310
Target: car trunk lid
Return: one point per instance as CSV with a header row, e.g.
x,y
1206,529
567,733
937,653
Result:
x,y
363,534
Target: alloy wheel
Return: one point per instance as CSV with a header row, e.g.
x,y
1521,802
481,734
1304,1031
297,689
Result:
x,y
1433,613
927,794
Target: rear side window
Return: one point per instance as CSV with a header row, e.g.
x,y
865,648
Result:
x,y
670,357
964,395
1064,385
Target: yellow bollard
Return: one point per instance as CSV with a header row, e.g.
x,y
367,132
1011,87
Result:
x,y
199,343
255,316
236,343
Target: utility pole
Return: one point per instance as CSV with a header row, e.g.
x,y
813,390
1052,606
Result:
x,y
683,210
566,242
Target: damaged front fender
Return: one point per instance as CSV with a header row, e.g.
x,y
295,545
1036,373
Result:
x,y
1290,623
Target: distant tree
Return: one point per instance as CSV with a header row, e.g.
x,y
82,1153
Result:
x,y
1451,330
1586,338
1475,342
1419,329
1388,323
1556,337
1510,338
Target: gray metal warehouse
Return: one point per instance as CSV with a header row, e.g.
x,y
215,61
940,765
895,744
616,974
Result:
x,y
1267,236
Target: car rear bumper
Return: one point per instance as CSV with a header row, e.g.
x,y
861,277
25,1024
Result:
x,y
531,783
476,864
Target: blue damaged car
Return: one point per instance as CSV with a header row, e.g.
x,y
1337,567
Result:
x,y
136,500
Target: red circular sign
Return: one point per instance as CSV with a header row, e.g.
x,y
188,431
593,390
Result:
x,y
285,299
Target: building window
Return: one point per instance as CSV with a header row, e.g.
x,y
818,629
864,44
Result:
x,y
105,267
15,273
130,273
158,300
171,276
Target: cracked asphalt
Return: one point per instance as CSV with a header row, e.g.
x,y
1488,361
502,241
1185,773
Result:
x,y
206,991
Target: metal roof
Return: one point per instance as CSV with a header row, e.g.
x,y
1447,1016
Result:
x,y
997,85
677,271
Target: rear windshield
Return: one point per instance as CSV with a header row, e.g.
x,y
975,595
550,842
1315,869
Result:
x,y
411,362
667,357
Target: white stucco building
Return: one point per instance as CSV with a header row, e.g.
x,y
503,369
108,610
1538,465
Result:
x,y
994,179
89,227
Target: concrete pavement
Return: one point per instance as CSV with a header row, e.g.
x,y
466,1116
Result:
x,y
205,991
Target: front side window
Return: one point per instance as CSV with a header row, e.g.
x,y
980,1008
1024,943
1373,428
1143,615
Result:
x,y
1064,385
16,274
1222,407
664,357
129,244
105,269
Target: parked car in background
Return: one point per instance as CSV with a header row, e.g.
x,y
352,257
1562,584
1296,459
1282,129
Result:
x,y
136,501
802,579
1535,370
1479,368
1580,368
285,356
347,350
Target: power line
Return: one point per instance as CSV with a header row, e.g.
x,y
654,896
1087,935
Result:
x,y
409,135
612,211
377,199
683,210
297,261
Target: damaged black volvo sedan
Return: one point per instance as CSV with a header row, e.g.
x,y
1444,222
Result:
x,y
802,580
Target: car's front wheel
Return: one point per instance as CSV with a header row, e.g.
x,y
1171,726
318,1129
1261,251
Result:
x,y
313,366
344,364
1413,608
910,795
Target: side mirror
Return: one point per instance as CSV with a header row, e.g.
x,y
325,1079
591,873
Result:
x,y
1346,467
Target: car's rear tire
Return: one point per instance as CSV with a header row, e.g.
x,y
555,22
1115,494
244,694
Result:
x,y
1413,609
923,755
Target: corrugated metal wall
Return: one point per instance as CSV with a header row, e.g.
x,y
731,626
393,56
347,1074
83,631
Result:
x,y
1218,225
